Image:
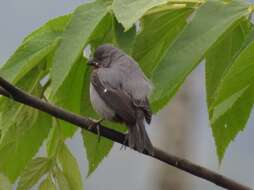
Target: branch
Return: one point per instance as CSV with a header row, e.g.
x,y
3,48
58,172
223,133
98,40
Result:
x,y
18,95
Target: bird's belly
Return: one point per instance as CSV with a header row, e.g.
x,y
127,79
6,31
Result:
x,y
99,105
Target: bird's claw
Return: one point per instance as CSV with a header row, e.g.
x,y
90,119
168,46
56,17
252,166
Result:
x,y
97,125
124,145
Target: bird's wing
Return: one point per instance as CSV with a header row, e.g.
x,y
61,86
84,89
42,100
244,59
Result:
x,y
116,99
135,84
144,105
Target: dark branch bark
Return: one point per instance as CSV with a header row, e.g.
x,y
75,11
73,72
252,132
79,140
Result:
x,y
18,95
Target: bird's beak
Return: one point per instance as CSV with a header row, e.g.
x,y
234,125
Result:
x,y
91,62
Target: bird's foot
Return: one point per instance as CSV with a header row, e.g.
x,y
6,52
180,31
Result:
x,y
96,124
124,145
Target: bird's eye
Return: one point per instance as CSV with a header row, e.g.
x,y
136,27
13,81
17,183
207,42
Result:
x,y
103,57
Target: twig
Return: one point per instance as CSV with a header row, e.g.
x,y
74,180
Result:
x,y
18,95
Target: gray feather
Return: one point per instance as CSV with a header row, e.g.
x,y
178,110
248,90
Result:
x,y
127,93
99,105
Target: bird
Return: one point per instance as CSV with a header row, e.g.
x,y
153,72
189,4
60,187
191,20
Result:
x,y
119,92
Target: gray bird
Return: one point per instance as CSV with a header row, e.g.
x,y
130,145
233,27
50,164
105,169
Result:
x,y
119,92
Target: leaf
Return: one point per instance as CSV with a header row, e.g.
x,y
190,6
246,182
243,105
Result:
x,y
47,184
230,106
83,22
109,31
70,168
226,127
236,79
24,138
9,109
33,172
175,5
158,32
54,26
61,180
209,23
34,49
20,64
128,12
103,32
240,74
221,56
223,107
4,183
69,95
24,128
125,39
95,151
55,139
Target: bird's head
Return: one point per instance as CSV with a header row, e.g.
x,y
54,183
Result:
x,y
103,56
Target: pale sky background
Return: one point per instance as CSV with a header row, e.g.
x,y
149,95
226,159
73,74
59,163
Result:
x,y
126,169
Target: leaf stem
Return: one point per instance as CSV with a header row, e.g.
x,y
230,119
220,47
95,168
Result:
x,y
174,5
187,1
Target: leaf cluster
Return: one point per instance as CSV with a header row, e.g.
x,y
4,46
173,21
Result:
x,y
168,38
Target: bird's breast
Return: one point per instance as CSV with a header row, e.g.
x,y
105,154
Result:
x,y
99,105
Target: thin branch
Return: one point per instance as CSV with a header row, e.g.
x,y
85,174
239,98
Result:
x,y
4,92
18,95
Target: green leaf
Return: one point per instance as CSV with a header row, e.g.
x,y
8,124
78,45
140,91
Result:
x,y
55,139
4,183
227,126
54,26
47,184
34,49
24,131
69,95
83,22
221,56
95,151
103,32
109,31
125,39
23,138
61,180
240,74
128,12
70,168
18,65
219,110
9,109
209,23
236,79
158,32
174,5
24,128
33,172
230,85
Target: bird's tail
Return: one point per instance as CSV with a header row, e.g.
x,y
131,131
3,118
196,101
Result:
x,y
138,138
